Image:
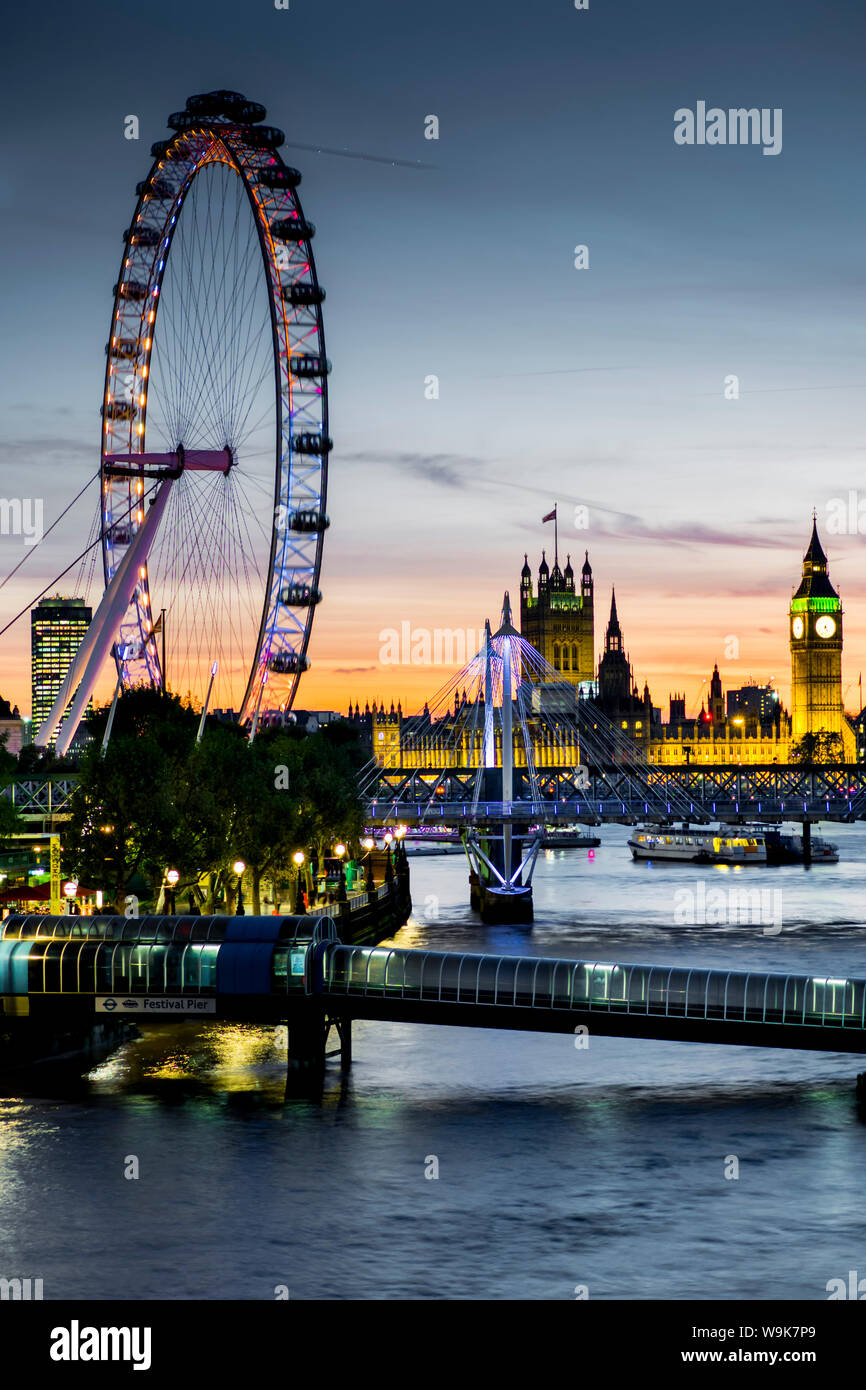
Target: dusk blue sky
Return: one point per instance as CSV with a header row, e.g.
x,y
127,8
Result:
x,y
601,387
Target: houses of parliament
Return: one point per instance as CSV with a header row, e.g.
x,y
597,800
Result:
x,y
743,726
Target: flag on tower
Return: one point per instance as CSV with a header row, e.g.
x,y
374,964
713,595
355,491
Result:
x,y
551,516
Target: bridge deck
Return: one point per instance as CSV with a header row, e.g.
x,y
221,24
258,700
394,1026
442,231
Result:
x,y
618,792
551,995
279,967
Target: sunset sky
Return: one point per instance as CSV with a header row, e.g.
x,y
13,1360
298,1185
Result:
x,y
601,388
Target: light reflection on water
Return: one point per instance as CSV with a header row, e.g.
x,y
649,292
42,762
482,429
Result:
x,y
556,1166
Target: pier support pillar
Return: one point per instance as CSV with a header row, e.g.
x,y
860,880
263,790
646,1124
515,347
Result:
x,y
807,842
344,1033
309,1029
307,1034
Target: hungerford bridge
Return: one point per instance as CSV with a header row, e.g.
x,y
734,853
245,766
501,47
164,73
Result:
x,y
412,796
767,792
74,973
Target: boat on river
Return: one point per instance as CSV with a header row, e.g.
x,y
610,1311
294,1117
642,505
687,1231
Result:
x,y
786,847
567,838
700,844
729,844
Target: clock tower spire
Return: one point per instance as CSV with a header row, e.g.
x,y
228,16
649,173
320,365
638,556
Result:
x,y
816,649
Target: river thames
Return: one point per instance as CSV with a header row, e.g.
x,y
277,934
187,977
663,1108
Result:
x,y
559,1167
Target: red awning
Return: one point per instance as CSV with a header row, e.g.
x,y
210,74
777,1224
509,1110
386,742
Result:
x,y
38,893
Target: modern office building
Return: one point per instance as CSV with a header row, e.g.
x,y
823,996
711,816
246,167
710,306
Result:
x,y
57,626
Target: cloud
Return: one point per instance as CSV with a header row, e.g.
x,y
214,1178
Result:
x,y
444,470
692,533
353,670
605,521
16,450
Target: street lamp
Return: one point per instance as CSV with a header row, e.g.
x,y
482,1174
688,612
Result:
x,y
298,860
239,867
339,850
171,879
70,889
368,843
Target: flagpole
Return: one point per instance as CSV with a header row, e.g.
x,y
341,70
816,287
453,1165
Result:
x,y
164,682
556,534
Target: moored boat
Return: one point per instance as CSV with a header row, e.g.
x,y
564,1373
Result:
x,y
568,839
786,847
719,844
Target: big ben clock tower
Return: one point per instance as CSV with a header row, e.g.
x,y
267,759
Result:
x,y
816,650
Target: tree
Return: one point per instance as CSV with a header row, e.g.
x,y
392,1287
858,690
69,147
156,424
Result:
x,y
817,748
159,799
272,818
125,811
332,759
10,820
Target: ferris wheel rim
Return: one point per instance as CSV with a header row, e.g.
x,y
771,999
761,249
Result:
x,y
292,575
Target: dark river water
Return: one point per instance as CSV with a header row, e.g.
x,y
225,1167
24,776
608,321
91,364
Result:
x,y
557,1166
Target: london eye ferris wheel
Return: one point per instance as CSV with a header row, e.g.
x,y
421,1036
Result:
x,y
215,415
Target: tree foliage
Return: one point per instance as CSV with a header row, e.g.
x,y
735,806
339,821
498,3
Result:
x,y
10,821
158,799
818,748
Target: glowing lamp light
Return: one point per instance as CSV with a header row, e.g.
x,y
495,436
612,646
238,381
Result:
x,y
172,877
239,867
339,850
368,843
70,888
298,857
400,831
388,839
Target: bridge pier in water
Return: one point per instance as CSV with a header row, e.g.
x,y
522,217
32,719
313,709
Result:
x,y
500,878
311,1027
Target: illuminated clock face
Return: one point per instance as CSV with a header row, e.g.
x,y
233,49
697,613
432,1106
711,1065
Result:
x,y
825,626
797,627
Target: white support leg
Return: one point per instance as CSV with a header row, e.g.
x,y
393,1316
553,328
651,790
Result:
x,y
103,630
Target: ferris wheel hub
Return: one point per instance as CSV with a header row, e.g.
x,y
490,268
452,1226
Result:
x,y
171,465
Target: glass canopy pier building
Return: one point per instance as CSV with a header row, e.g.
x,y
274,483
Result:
x,y
295,970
